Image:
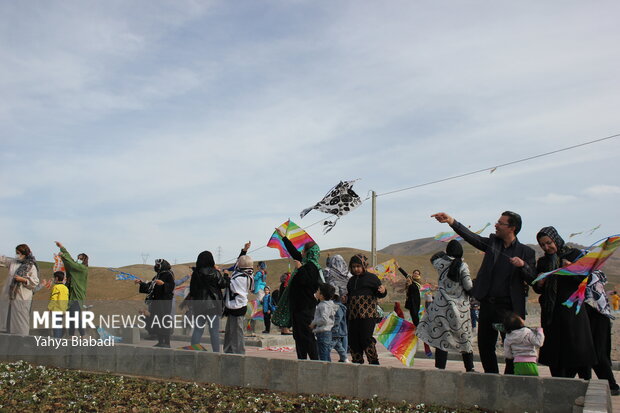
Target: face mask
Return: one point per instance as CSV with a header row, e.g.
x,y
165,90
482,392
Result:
x,y
19,257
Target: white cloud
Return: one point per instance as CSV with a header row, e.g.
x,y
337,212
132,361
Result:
x,y
601,190
173,127
553,198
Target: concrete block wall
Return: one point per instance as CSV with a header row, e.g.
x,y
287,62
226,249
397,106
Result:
x,y
454,389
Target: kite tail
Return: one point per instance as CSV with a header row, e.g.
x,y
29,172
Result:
x,y
329,225
578,296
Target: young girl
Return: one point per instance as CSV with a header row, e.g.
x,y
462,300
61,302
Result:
x,y
521,344
363,290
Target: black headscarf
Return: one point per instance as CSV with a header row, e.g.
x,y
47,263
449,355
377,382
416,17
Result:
x,y
161,265
205,260
455,250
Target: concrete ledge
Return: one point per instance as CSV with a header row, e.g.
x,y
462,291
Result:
x,y
598,397
452,389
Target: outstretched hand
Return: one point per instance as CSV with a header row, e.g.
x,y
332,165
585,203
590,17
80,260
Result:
x,y
443,218
58,244
247,246
280,233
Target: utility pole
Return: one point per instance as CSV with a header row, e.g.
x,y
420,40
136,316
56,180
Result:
x,y
373,242
219,255
145,257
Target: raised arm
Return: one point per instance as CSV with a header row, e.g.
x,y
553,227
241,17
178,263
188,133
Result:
x,y
481,243
296,255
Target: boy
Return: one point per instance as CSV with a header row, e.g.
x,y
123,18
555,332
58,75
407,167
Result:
x,y
340,331
268,308
324,320
59,299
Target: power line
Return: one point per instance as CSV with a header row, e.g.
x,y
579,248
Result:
x,y
492,168
498,166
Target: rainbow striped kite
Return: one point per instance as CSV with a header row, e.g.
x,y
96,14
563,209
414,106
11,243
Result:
x,y
449,236
593,260
398,336
296,235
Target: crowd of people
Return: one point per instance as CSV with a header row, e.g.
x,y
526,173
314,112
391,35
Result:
x,y
336,307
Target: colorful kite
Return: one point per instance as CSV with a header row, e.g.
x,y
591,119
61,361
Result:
x,y
197,347
449,236
123,276
339,201
296,235
593,260
181,291
255,310
58,264
398,336
385,269
424,289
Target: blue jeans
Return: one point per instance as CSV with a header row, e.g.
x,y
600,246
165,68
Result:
x,y
340,344
324,342
214,331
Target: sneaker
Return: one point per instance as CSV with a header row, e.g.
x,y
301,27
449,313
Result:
x,y
429,354
265,332
615,392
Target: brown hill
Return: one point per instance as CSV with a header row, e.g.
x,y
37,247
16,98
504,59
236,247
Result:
x,y
410,255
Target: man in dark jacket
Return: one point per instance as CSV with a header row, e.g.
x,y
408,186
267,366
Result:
x,y
502,283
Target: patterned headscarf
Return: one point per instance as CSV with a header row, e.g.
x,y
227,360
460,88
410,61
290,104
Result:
x,y
552,233
312,255
22,271
360,259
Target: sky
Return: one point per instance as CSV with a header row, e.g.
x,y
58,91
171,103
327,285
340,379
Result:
x,y
169,128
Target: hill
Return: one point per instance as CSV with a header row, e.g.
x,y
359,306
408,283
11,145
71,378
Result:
x,y
410,255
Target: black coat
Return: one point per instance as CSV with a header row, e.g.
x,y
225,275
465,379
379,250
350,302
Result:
x,y
205,291
413,300
520,278
568,339
303,284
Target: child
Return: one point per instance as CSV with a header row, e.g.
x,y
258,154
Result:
x,y
340,331
521,343
324,320
363,291
268,308
59,299
236,304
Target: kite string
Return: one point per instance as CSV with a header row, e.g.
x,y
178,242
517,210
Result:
x,y
501,165
464,175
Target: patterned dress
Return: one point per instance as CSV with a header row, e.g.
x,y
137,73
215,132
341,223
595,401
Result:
x,y
447,321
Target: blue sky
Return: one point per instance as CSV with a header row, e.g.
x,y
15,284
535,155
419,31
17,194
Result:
x,y
175,127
